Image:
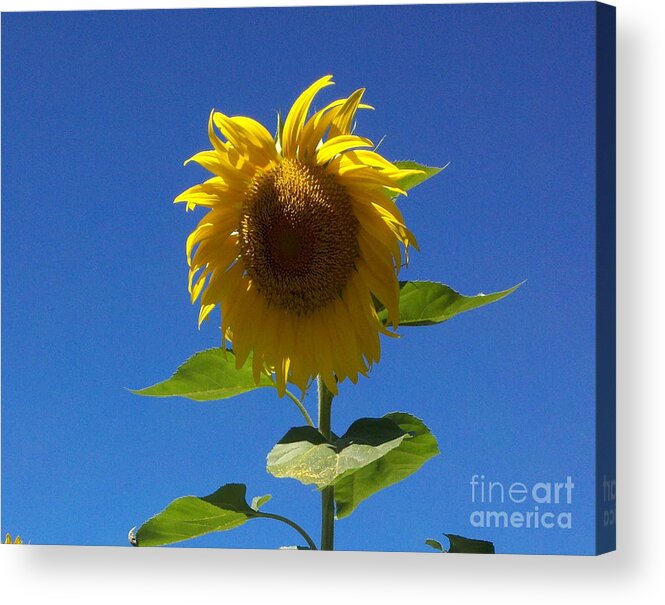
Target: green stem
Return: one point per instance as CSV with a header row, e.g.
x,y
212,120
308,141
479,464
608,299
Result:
x,y
328,493
301,407
293,524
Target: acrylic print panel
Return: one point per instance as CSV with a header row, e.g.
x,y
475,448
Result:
x,y
338,240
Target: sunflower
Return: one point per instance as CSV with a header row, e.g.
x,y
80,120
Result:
x,y
8,540
301,238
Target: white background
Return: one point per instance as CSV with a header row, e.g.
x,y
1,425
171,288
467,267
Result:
x,y
636,573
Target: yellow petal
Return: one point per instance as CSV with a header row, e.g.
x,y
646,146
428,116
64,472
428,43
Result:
x,y
368,175
342,122
204,311
297,115
215,141
339,144
260,138
219,163
316,127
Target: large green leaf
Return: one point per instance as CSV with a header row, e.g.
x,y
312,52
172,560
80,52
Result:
x,y
304,454
207,376
409,182
425,303
393,466
191,516
460,544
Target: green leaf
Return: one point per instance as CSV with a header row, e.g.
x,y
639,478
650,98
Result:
x,y
280,130
460,544
191,516
425,303
304,454
207,376
435,544
409,182
395,465
259,501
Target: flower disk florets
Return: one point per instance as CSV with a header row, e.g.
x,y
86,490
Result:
x,y
298,236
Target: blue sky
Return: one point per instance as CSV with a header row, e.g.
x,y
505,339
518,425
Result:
x,y
99,111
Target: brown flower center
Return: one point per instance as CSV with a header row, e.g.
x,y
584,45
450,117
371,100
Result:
x,y
298,236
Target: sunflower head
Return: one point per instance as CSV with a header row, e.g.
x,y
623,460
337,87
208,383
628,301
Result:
x,y
301,236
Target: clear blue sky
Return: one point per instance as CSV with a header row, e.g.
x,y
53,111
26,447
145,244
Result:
x,y
100,109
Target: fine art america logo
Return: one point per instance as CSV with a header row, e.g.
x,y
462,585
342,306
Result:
x,y
521,505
